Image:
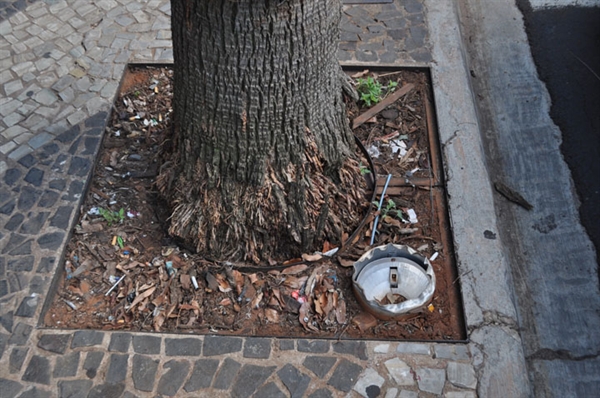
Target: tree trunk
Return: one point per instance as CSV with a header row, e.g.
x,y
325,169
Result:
x,y
263,151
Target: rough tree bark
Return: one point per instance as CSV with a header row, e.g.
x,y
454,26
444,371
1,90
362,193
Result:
x,y
263,161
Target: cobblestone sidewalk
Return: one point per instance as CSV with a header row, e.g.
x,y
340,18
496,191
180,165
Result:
x,y
60,67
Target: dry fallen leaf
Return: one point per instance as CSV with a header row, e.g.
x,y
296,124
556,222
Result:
x,y
142,296
364,321
256,301
311,257
294,269
213,284
272,315
345,263
186,281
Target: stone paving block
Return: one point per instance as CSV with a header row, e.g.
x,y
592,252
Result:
x,y
93,359
460,394
255,347
313,346
10,388
16,359
21,334
173,379
51,241
461,375
249,379
270,390
7,320
321,393
400,372
38,370
454,352
34,392
295,381
74,388
431,380
46,265
28,306
106,390
286,345
408,394
117,368
183,347
20,152
320,366
66,366
202,374
34,223
56,343
144,372
219,345
3,341
356,348
226,374
369,384
119,342
61,217
146,344
345,375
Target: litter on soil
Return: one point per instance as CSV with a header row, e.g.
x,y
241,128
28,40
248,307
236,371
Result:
x,y
123,272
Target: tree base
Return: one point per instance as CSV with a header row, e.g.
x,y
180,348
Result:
x,y
292,212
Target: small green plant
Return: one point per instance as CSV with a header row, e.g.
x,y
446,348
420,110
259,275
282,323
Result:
x,y
120,242
112,217
390,209
372,91
363,169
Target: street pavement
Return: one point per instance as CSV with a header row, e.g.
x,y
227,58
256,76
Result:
x,y
60,66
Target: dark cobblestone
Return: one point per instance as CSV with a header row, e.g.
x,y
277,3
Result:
x,y
356,348
73,149
320,366
117,368
97,120
226,374
17,357
27,161
58,184
51,241
144,372
66,366
257,348
57,343
183,347
14,222
249,379
270,390
146,344
295,381
219,345
119,342
28,197
90,145
313,346
22,264
106,390
34,392
38,370
7,321
3,340
69,135
79,166
11,176
33,225
17,281
37,285
75,191
46,265
202,374
173,379
3,288
13,242
86,338
28,307
345,375
21,334
61,217
286,345
34,177
321,393
8,207
74,388
10,388
92,363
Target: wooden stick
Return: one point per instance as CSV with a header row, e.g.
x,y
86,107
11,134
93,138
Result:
x,y
369,113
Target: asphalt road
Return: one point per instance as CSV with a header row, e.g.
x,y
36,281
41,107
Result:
x,y
565,43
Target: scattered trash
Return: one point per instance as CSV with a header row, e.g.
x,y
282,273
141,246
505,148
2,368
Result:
x,y
412,216
115,285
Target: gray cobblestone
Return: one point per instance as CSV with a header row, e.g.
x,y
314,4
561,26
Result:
x,y
144,372
66,366
202,374
92,363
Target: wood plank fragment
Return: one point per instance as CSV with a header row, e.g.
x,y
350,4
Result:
x,y
369,113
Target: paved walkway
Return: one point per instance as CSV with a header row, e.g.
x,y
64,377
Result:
x,y
60,66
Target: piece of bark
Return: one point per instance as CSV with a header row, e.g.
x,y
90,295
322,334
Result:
x,y
512,195
369,113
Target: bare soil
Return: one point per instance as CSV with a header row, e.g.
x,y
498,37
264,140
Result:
x,y
121,237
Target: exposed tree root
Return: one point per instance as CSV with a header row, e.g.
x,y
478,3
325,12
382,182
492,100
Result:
x,y
292,212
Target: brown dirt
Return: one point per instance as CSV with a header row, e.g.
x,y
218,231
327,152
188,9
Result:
x,y
157,292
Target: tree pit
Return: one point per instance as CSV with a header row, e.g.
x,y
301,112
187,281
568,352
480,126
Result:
x,y
120,243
